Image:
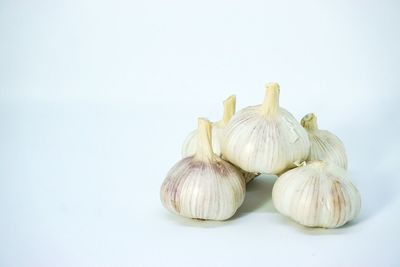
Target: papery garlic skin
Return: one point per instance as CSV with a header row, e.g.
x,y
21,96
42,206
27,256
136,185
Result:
x,y
318,194
200,190
265,138
324,145
249,176
190,144
203,186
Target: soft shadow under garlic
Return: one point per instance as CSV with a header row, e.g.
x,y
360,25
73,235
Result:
x,y
258,196
195,222
316,230
376,196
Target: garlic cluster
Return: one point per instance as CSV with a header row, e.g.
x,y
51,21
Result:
x,y
219,159
317,194
265,138
324,145
203,186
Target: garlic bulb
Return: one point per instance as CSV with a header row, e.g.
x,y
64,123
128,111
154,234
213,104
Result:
x,y
317,194
190,144
265,138
203,186
324,145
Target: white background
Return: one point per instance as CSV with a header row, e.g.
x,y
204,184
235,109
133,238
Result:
x,y
96,98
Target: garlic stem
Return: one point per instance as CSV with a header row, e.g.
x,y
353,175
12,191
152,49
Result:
x,y
271,100
204,150
309,122
229,109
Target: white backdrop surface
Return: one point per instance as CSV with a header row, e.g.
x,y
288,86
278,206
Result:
x,y
96,98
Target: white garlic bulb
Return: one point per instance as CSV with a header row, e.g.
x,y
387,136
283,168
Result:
x,y
203,186
265,138
324,145
317,194
190,144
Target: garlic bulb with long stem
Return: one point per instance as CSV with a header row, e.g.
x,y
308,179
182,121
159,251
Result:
x,y
317,194
203,186
189,146
324,145
265,138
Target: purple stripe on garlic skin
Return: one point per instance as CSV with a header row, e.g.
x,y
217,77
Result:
x,y
203,186
324,145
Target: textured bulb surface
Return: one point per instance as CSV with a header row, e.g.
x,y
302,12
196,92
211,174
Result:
x,y
201,190
318,194
324,145
203,186
265,138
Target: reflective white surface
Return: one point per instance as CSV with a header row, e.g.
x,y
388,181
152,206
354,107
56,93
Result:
x,y
96,98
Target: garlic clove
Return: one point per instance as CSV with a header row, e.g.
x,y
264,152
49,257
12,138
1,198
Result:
x,y
324,145
317,194
190,143
203,186
265,138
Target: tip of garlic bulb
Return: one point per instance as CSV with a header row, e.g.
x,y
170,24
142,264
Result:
x,y
271,100
230,98
309,121
272,86
229,109
204,149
